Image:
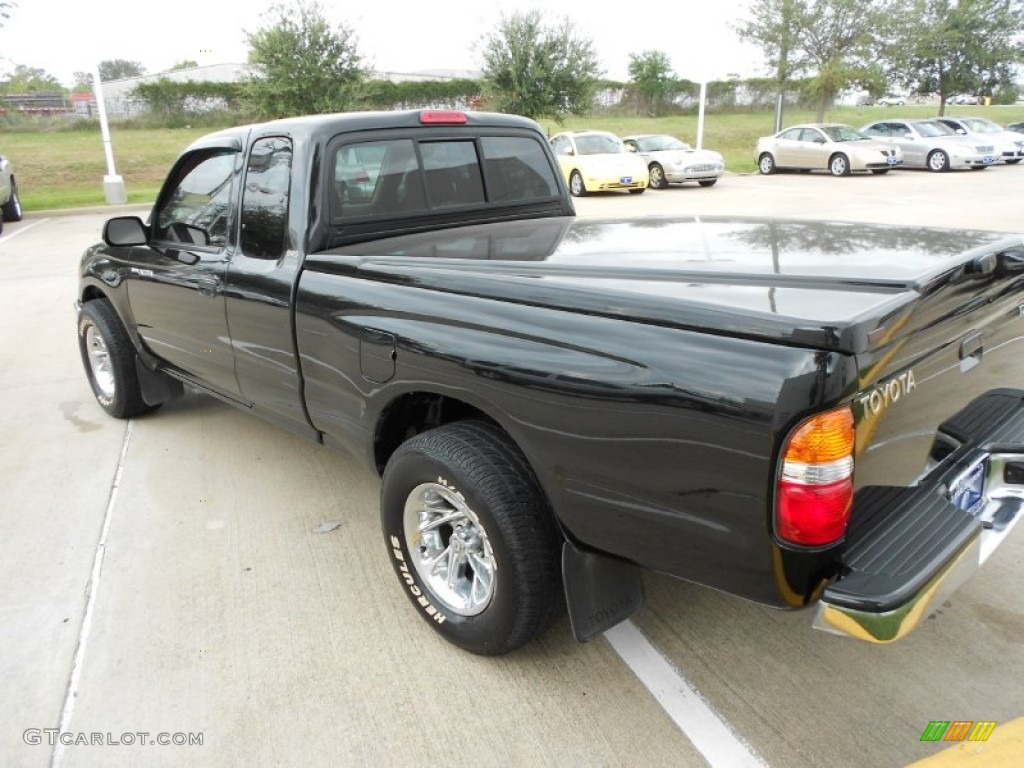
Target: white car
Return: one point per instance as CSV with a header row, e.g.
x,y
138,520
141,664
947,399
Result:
x,y
891,101
927,143
1008,144
671,161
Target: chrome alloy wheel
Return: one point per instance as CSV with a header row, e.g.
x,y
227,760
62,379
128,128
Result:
x,y
99,361
449,548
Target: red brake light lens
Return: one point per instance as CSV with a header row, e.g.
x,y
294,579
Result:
x,y
443,117
814,495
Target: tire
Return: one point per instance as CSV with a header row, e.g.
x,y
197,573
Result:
x,y
657,177
938,161
766,164
109,359
11,210
638,191
499,521
576,186
880,171
708,182
839,164
1014,161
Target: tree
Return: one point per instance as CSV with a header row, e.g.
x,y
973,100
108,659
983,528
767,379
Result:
x,y
836,43
651,73
30,80
81,82
960,46
304,65
537,70
185,64
118,69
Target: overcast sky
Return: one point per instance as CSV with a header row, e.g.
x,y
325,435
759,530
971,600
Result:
x,y
62,36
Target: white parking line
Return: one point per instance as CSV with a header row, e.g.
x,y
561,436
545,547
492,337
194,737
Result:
x,y
22,231
708,732
91,590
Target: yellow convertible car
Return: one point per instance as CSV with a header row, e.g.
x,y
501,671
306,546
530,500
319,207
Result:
x,y
594,161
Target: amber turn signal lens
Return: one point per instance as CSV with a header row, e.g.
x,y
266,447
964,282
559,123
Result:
x,y
823,438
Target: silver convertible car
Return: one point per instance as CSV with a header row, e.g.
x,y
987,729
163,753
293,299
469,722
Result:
x,y
834,147
929,144
671,161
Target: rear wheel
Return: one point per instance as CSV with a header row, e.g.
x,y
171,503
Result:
x,y
938,161
576,185
657,176
11,210
839,165
109,359
471,537
766,164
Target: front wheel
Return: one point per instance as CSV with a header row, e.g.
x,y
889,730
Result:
x,y
11,210
576,185
839,165
657,176
471,537
1014,161
638,191
766,164
708,182
879,171
109,359
938,161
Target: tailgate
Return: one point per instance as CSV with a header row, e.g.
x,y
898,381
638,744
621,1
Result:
x,y
940,448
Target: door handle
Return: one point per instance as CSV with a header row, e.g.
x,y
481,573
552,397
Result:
x,y
209,286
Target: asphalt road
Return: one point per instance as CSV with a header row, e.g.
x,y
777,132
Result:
x,y
167,576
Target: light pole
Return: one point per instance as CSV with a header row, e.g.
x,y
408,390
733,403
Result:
x,y
113,185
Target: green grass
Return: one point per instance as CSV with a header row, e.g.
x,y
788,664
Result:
x,y
65,169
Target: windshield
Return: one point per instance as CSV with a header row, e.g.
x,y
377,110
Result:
x,y
842,133
931,129
598,144
978,125
659,143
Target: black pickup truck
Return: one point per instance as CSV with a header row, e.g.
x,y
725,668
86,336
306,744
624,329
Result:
x,y
796,413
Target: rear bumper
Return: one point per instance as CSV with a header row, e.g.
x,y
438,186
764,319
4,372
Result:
x,y
924,545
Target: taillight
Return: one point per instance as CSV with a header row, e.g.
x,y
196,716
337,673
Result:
x,y
442,117
815,490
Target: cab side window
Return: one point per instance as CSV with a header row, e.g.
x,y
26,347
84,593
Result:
x,y
197,210
268,177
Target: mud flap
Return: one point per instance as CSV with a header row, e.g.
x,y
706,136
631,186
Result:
x,y
156,387
600,590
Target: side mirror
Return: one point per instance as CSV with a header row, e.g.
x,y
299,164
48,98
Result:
x,y
630,148
125,231
568,151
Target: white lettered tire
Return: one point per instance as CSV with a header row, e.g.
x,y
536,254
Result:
x,y
471,537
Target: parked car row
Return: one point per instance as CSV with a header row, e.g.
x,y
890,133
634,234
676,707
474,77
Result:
x,y
594,161
938,144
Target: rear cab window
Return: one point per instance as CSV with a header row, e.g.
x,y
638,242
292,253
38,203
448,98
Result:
x,y
402,177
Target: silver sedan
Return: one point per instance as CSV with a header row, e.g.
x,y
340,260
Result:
x,y
671,161
834,147
929,144
10,205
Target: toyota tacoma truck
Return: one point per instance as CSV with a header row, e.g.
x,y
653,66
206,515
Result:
x,y
800,414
